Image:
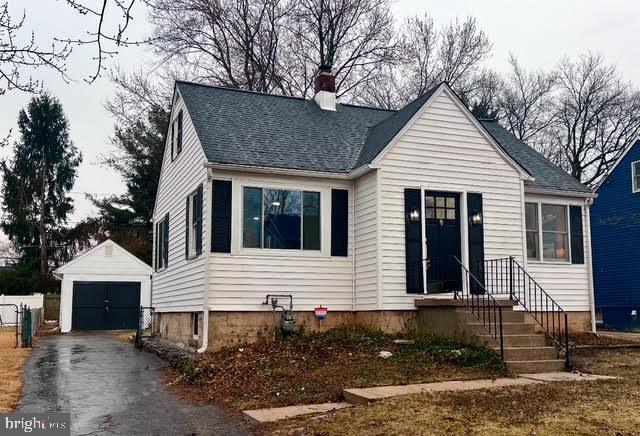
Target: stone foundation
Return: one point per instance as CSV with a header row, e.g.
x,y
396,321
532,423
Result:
x,y
234,328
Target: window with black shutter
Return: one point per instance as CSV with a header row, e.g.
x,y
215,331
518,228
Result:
x,y
413,241
221,216
577,236
162,243
339,222
193,233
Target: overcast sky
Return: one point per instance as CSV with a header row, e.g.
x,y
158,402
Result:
x,y
538,32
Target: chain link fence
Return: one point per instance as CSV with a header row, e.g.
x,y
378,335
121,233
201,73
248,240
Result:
x,y
9,325
145,324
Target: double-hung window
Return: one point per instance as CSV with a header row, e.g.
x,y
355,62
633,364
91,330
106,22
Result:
x,y
176,136
162,246
635,175
192,222
547,226
280,219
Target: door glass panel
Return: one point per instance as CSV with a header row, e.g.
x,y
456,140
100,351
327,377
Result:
x,y
451,214
440,201
440,214
451,202
429,201
430,213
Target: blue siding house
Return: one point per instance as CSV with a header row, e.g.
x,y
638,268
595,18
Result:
x,y
615,227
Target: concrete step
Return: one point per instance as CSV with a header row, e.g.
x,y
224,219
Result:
x,y
508,328
536,366
528,353
507,316
531,340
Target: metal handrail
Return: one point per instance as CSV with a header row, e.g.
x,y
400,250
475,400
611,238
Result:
x,y
507,276
482,305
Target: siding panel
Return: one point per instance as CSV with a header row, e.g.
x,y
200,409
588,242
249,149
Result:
x,y
366,242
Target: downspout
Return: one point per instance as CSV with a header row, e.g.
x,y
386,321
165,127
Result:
x,y
592,303
354,284
207,265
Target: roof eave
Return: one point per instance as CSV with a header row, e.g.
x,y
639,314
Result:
x,y
557,192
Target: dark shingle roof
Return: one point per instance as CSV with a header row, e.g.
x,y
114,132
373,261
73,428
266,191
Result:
x,y
547,175
250,128
256,129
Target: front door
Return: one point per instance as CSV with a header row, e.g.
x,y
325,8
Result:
x,y
442,239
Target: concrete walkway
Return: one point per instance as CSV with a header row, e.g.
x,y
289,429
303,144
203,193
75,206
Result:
x,y
367,395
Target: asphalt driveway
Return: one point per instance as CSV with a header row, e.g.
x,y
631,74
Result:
x,y
109,387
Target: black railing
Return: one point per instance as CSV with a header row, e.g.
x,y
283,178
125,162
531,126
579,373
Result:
x,y
507,277
482,305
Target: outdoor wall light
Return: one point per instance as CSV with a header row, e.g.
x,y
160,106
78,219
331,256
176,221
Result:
x,y
275,203
414,215
476,218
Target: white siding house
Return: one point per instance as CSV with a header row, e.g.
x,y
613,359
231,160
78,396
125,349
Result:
x,y
337,235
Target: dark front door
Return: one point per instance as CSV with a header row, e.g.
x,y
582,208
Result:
x,y
442,234
105,305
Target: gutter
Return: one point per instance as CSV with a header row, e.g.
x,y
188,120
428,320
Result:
x,y
592,303
207,266
574,194
291,172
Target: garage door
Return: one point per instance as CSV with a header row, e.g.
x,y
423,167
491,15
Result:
x,y
105,305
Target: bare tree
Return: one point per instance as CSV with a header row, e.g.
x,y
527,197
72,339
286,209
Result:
x,y
234,43
355,37
431,55
20,54
526,103
598,114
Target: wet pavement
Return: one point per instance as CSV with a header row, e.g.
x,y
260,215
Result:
x,y
109,387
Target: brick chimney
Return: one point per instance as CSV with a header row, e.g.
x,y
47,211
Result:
x,y
325,88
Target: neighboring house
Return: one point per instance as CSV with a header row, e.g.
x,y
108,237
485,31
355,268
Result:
x,y
339,205
103,289
615,226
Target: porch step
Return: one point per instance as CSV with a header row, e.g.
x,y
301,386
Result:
x,y
508,315
508,328
528,353
536,366
526,340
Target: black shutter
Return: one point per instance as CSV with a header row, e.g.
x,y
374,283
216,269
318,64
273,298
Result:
x,y
186,230
476,240
413,241
577,242
166,240
157,244
198,200
179,145
171,145
221,217
339,222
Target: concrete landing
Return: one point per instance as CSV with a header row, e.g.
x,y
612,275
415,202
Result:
x,y
278,413
565,376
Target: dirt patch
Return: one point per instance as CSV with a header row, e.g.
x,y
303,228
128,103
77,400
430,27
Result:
x,y
603,407
315,368
11,363
600,340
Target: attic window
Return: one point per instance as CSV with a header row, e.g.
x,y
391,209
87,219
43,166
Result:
x,y
635,175
176,136
108,250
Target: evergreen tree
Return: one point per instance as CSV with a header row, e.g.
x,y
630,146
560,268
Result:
x,y
36,182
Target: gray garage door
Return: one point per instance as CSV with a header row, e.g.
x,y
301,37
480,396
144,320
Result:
x,y
105,305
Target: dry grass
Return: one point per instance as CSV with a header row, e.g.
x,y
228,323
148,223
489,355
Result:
x,y
604,407
315,368
127,336
11,362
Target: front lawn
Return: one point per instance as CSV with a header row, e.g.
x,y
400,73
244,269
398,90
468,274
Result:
x,y
603,407
315,368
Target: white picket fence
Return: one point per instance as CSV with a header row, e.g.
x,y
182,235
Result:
x,y
34,301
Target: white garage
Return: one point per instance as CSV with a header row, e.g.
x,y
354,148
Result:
x,y
103,289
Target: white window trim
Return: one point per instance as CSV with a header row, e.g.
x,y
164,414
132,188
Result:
x,y
192,227
634,175
277,251
237,243
541,259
